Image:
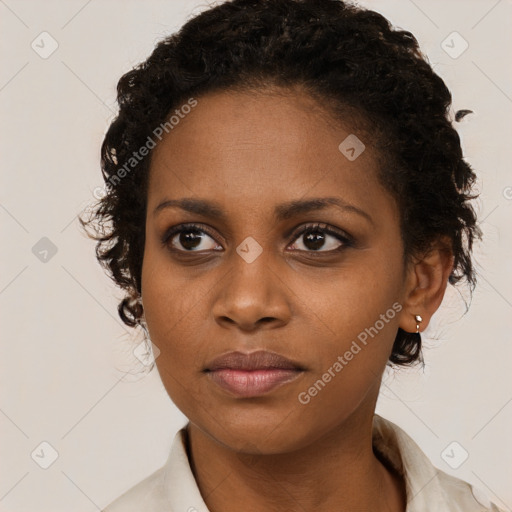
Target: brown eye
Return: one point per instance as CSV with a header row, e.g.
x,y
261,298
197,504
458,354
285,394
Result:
x,y
189,238
319,238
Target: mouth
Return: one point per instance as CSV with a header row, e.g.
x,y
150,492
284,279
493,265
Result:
x,y
252,374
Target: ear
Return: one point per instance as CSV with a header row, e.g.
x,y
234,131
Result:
x,y
427,278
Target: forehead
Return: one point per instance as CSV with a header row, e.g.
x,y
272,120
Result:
x,y
260,148
234,120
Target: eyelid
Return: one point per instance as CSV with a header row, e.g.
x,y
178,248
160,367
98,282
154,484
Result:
x,y
174,230
326,228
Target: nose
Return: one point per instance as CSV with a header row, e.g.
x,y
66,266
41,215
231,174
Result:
x,y
252,296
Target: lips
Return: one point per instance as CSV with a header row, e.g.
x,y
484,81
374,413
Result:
x,y
259,360
252,374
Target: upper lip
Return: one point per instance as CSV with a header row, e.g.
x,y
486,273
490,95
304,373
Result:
x,y
258,360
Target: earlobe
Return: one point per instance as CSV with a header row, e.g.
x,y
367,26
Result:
x,y
426,286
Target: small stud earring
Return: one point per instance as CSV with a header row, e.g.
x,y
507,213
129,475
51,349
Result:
x,y
418,322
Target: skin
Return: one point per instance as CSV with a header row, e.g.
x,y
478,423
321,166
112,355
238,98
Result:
x,y
250,153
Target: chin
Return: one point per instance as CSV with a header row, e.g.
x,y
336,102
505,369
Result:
x,y
257,432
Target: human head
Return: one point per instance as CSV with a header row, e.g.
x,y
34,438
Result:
x,y
354,64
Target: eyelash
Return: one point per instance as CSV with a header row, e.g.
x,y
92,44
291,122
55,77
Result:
x,y
347,240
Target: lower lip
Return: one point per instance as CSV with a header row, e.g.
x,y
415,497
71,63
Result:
x,y
251,383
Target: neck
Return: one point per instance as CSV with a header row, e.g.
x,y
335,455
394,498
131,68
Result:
x,y
339,471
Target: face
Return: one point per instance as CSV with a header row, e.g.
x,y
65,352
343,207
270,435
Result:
x,y
258,266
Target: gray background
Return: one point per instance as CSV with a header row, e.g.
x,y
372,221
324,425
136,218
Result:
x,y
69,374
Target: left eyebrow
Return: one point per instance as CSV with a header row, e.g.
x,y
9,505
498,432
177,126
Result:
x,y
287,210
281,212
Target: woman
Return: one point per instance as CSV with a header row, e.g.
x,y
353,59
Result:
x,y
286,202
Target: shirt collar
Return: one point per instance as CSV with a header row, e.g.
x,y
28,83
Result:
x,y
178,475
424,492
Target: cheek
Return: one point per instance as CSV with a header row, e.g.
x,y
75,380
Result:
x,y
170,301
360,326
177,305
349,300
170,306
357,312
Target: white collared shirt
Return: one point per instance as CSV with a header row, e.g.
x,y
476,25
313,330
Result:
x,y
173,488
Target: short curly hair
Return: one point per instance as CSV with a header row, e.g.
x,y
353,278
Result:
x,y
348,58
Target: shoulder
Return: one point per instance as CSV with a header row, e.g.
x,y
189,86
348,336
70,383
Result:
x,y
147,495
428,488
171,487
164,489
464,497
